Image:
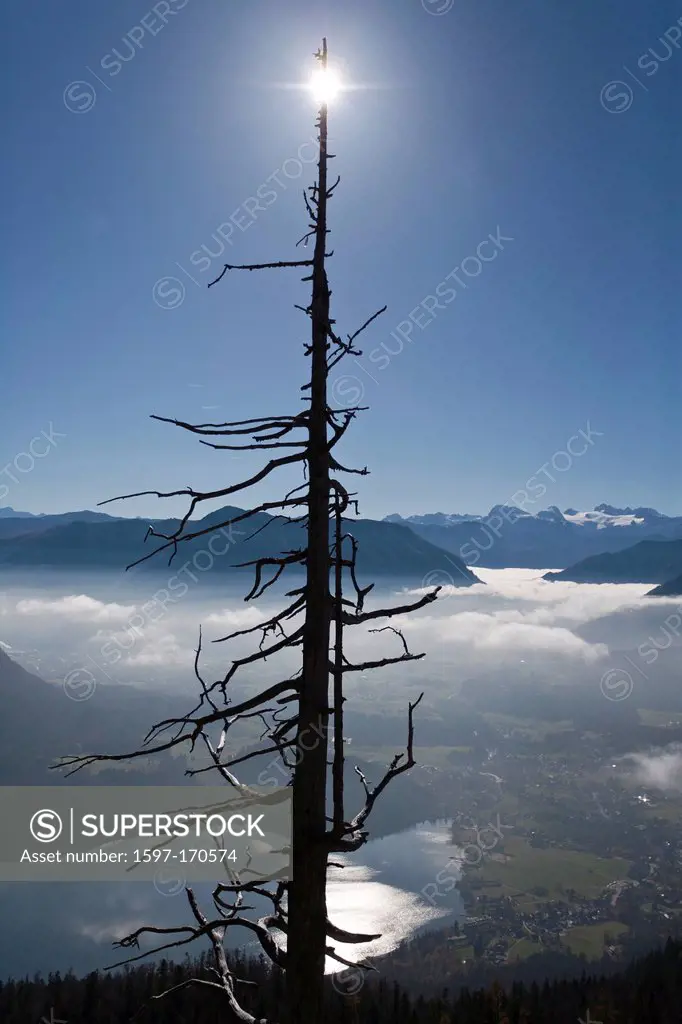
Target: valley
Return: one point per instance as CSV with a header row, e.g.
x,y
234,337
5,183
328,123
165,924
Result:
x,y
557,846
558,804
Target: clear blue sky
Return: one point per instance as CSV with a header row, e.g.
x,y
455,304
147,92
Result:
x,y
490,116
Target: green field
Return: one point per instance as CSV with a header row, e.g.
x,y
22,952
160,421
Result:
x,y
553,868
523,948
589,939
463,953
668,808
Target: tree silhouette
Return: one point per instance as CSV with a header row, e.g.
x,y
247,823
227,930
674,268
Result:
x,y
299,721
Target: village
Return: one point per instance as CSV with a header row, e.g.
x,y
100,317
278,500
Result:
x,y
564,852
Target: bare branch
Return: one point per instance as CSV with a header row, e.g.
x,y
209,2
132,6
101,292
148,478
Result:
x,y
198,724
354,827
295,935
283,424
381,613
262,266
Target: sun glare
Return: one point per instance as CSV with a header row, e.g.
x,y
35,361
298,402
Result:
x,y
325,85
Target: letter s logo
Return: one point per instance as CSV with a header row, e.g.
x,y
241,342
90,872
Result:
x,y
46,826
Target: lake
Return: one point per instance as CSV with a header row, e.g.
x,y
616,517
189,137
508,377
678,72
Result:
x,y
391,886
61,925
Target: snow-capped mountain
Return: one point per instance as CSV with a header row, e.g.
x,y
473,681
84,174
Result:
x,y
510,536
601,516
609,515
434,519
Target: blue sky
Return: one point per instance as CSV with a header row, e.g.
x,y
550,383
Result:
x,y
486,119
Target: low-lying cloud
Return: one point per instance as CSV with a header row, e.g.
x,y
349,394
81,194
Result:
x,y
659,769
78,607
514,621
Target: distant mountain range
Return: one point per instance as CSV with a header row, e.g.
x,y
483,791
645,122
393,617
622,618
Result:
x,y
510,537
602,516
13,524
606,545
95,540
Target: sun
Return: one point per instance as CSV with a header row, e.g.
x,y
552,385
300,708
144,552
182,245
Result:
x,y
325,85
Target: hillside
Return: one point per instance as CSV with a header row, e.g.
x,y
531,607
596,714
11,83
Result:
x,y
385,549
39,724
673,588
651,561
16,524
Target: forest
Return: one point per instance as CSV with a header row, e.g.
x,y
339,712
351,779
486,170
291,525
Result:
x,y
649,991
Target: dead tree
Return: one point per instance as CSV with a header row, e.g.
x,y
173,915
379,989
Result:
x,y
296,711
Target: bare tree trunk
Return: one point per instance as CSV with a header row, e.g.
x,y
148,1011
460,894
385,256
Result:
x,y
307,905
303,920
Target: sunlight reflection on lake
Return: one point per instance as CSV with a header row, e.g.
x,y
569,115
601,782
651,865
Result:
x,y
385,892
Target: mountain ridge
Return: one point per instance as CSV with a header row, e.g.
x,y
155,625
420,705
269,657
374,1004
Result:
x,y
39,724
605,514
511,537
385,549
671,588
649,561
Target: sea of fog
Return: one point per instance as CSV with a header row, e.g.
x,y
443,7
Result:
x,y
115,629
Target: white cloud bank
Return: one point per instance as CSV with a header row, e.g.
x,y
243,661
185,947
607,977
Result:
x,y
659,769
78,607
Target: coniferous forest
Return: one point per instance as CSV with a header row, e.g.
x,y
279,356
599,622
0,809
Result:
x,y
649,991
